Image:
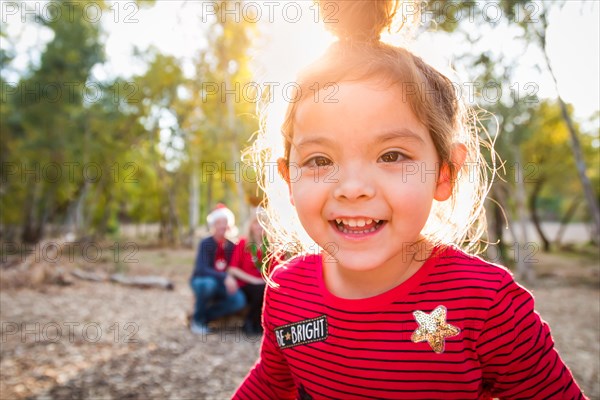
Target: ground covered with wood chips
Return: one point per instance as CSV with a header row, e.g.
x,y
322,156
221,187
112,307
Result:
x,y
101,340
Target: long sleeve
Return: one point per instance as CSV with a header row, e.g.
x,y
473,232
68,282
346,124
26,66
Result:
x,y
517,353
205,260
238,254
270,378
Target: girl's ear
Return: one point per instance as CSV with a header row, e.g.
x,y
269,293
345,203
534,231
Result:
x,y
447,176
284,172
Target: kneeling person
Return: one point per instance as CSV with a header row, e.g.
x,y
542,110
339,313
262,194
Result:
x,y
217,292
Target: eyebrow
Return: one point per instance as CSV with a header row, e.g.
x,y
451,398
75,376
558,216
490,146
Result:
x,y
314,141
386,136
398,134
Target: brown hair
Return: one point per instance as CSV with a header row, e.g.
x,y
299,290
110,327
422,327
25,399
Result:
x,y
360,56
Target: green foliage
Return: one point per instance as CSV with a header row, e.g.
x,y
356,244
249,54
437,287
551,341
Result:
x,y
223,120
531,137
150,136
548,157
126,150
47,121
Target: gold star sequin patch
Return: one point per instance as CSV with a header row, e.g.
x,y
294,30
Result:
x,y
433,328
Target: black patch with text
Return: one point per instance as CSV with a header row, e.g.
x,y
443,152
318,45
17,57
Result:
x,y
303,332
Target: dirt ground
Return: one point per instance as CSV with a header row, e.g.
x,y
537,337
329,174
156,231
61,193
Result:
x,y
102,340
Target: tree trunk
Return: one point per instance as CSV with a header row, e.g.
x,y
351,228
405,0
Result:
x,y
173,218
194,203
80,223
498,223
103,226
169,223
31,227
581,170
566,219
73,220
27,234
524,270
575,145
209,195
235,155
534,214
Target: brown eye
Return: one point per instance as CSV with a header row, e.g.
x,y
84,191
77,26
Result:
x,y
319,161
390,157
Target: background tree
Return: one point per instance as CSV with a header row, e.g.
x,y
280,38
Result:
x,y
520,120
49,126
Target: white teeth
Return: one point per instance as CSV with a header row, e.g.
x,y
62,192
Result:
x,y
356,222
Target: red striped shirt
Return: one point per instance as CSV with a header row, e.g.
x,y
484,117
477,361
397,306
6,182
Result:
x,y
503,349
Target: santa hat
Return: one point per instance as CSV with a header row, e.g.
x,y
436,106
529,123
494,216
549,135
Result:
x,y
221,212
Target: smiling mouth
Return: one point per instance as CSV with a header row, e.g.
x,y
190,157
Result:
x,y
358,226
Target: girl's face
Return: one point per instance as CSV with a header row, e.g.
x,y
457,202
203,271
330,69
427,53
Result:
x,y
363,174
256,230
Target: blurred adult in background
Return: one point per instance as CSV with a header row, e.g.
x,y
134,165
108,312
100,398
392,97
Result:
x,y
217,292
247,263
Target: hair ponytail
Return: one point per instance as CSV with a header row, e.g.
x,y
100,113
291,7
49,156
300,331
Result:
x,y
359,20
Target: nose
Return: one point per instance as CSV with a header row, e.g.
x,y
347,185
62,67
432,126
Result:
x,y
355,183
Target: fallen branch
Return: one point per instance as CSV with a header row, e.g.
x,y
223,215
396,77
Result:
x,y
88,276
143,281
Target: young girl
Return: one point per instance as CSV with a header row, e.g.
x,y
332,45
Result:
x,y
388,180
247,265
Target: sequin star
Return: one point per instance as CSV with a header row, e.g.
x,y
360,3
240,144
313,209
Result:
x,y
433,328
288,336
